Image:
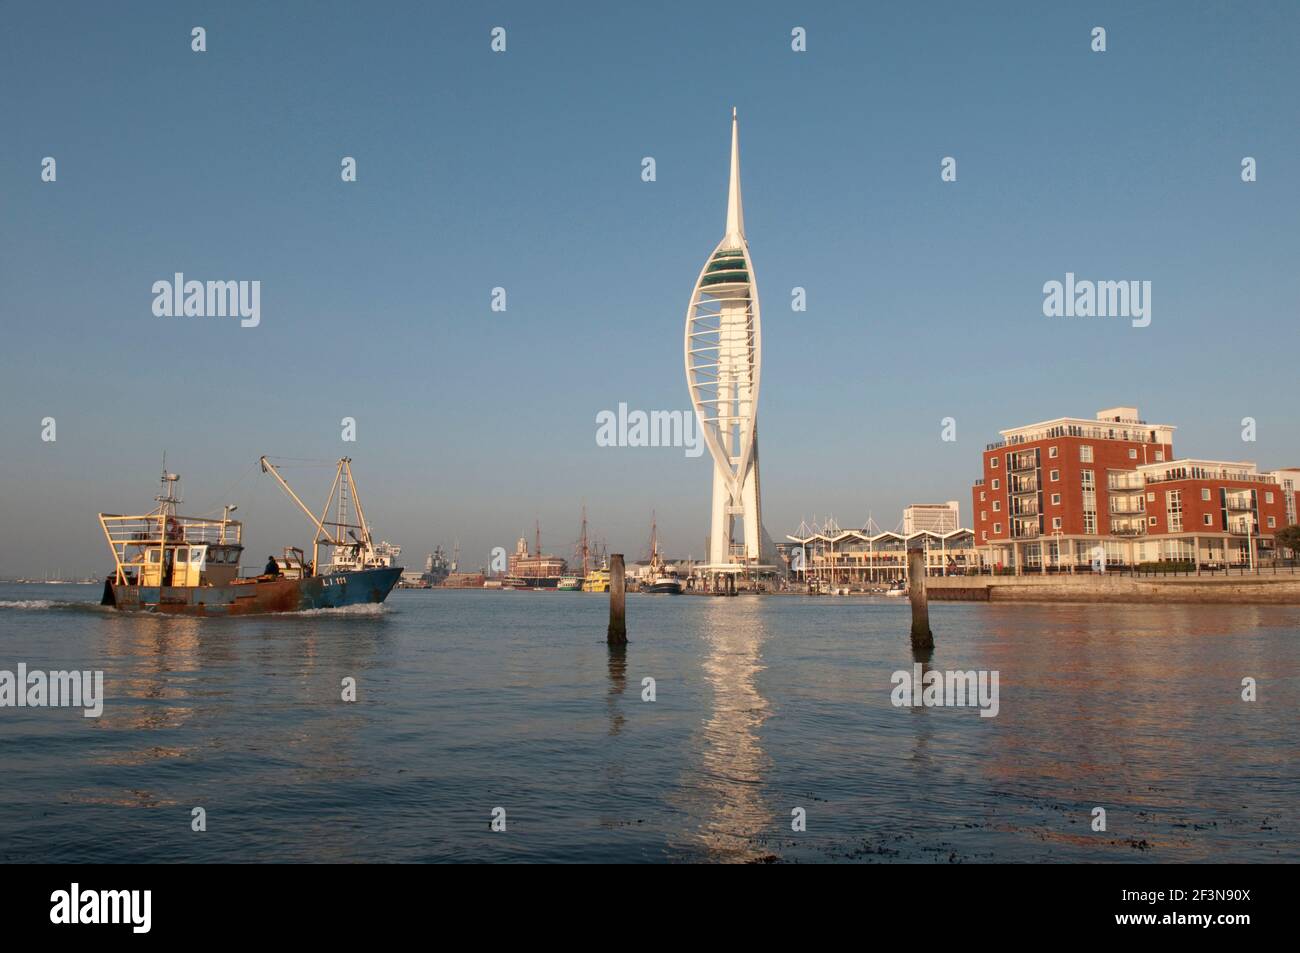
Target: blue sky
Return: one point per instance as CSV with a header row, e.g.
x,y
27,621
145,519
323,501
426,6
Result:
x,y
522,170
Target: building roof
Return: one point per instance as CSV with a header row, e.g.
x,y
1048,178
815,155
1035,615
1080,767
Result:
x,y
865,537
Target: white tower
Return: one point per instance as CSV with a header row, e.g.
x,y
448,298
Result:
x,y
723,358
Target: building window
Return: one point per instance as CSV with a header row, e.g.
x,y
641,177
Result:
x,y
1056,499
997,528
1174,510
996,484
1056,522
1132,453
1151,521
1268,496
997,506
1090,522
1085,454
984,515
1052,451
984,535
993,462
1208,519
981,496
1272,522
1151,497
1056,476
1160,456
1205,493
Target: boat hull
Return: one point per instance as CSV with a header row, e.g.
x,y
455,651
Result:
x,y
664,588
329,591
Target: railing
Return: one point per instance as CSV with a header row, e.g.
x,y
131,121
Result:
x,y
1201,473
1024,507
1020,462
1128,530
1124,481
1088,433
1238,504
1020,484
145,530
1132,507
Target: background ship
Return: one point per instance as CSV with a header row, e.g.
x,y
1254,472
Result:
x,y
661,578
535,570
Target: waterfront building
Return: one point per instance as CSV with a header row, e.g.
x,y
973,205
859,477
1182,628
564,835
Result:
x,y
1064,494
1289,479
1214,512
540,568
856,557
723,350
931,517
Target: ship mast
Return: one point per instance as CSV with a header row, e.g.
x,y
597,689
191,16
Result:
x,y
654,541
584,548
345,487
169,481
166,509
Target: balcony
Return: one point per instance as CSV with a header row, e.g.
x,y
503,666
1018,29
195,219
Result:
x,y
1024,484
1124,482
1238,503
1022,462
1116,530
1126,506
1024,507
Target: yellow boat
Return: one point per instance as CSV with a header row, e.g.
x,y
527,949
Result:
x,y
597,581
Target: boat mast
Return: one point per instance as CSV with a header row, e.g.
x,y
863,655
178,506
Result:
x,y
166,510
583,546
366,541
654,542
321,531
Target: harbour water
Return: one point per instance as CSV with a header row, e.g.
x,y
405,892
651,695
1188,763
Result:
x,y
470,700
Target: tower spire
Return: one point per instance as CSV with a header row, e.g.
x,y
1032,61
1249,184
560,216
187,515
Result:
x,y
735,212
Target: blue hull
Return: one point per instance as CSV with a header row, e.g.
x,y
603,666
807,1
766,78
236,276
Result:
x,y
328,591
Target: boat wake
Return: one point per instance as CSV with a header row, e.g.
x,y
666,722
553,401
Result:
x,y
36,605
27,603
362,609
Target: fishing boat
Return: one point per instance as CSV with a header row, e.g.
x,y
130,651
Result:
x,y
661,578
185,565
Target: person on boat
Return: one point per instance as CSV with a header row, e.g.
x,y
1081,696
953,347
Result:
x,y
272,567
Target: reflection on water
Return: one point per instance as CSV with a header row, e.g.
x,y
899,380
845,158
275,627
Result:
x,y
725,779
467,700
617,684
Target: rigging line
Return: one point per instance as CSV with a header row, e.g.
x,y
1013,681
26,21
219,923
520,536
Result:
x,y
225,495
306,461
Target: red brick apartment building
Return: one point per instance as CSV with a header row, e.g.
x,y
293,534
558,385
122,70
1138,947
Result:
x,y
1057,492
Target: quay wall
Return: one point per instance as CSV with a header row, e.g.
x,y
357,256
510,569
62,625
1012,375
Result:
x,y
1262,589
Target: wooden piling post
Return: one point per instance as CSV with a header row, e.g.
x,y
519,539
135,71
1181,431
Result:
x,y
617,634
922,637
